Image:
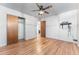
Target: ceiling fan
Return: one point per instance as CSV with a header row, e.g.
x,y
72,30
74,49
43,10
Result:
x,y
42,9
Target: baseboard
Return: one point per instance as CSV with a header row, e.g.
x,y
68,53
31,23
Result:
x,y
3,45
31,38
60,40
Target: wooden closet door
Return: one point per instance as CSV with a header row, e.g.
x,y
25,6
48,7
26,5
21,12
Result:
x,y
43,29
12,29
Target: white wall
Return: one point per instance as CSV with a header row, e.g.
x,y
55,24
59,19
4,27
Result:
x,y
78,23
53,30
30,22
31,28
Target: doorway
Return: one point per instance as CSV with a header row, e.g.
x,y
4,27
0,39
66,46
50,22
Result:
x,y
38,28
15,29
21,28
12,29
41,28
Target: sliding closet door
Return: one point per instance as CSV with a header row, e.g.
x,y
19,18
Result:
x,y
43,29
12,29
21,29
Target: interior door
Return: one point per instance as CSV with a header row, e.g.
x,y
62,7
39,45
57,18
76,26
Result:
x,y
43,29
12,29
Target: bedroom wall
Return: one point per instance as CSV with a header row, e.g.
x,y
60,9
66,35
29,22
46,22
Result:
x,y
78,23
54,30
30,24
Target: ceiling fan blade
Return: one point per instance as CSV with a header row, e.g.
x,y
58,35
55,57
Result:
x,y
46,12
38,5
35,10
47,7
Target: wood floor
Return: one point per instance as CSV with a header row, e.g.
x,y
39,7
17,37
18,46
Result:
x,y
41,46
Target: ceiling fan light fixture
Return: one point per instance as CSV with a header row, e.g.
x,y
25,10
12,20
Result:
x,y
41,12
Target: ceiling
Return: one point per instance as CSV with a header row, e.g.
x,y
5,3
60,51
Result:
x,y
28,7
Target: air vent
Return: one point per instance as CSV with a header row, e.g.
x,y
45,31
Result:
x,y
75,40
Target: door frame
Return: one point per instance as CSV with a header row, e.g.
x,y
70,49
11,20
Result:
x,y
43,30
7,26
18,23
22,18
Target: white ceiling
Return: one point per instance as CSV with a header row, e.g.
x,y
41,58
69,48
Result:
x,y
28,7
